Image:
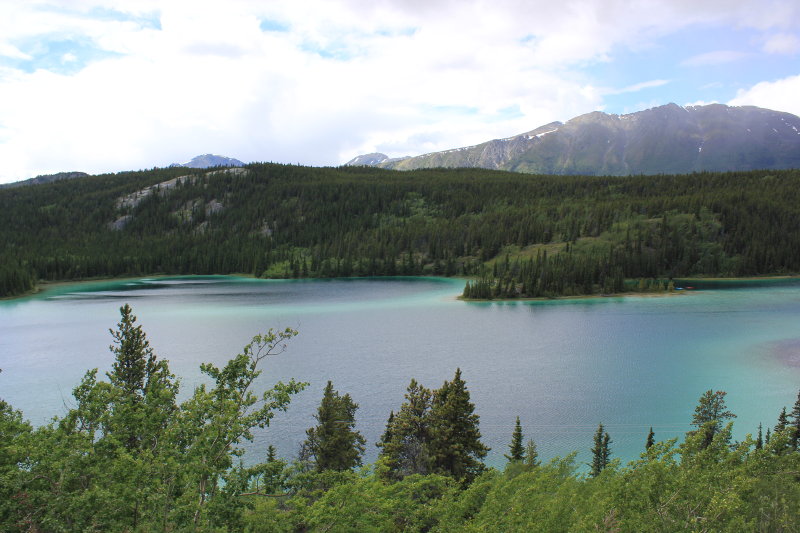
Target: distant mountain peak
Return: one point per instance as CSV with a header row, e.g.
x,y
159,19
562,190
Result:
x,y
210,160
668,139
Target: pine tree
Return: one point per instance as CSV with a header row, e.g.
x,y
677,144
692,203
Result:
x,y
334,443
710,413
387,433
651,439
407,452
405,446
783,421
516,449
456,449
143,389
760,438
795,415
531,455
600,451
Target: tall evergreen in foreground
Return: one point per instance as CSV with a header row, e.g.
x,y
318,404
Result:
x,y
601,452
531,455
516,451
710,414
334,443
456,448
651,439
783,421
795,424
405,447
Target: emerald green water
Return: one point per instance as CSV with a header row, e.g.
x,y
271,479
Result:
x,y
562,366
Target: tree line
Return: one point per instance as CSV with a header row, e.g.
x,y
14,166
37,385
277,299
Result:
x,y
527,235
129,457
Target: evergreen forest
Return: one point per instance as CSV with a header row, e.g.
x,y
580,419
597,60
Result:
x,y
129,457
513,235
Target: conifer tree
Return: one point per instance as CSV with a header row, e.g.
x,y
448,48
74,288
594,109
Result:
x,y
456,449
795,424
143,390
600,451
760,438
406,442
651,439
387,433
531,455
710,414
783,421
516,449
334,443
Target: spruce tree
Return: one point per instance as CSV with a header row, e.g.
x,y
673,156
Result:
x,y
456,449
710,413
334,443
600,451
783,421
143,389
531,455
760,438
387,433
516,449
795,424
405,445
651,439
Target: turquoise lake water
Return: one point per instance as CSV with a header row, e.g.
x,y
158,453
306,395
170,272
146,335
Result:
x,y
562,366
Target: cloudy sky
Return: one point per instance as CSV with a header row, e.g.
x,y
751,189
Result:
x,y
110,85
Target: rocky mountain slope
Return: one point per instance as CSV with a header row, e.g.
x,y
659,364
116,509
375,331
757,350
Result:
x,y
669,139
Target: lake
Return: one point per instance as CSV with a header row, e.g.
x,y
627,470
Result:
x,y
563,366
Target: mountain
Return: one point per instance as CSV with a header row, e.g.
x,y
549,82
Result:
x,y
669,139
45,178
210,160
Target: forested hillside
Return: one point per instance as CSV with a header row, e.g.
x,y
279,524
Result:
x,y
524,235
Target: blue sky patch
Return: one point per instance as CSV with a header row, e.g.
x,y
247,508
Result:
x,y
58,54
273,25
151,20
335,50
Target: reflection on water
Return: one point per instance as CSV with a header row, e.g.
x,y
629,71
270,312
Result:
x,y
561,366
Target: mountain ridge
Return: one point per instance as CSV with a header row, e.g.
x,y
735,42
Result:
x,y
668,139
210,160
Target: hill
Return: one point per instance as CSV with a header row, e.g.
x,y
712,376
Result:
x,y
45,178
539,235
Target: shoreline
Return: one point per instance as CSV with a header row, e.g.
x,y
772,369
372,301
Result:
x,y
46,285
578,297
660,294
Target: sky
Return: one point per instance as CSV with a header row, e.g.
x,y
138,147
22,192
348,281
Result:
x,y
111,85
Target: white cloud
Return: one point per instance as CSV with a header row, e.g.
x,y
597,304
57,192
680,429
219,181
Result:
x,y
9,50
782,43
636,87
700,103
338,78
780,95
717,57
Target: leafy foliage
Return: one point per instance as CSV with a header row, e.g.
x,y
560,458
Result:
x,y
128,457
